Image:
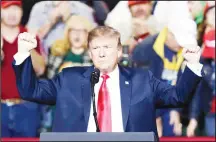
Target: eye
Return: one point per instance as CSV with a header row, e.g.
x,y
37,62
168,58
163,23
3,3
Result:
x,y
95,47
107,46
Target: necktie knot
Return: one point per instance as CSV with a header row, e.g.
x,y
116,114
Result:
x,y
105,77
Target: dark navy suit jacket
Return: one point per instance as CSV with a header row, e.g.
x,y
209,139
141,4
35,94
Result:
x,y
145,56
201,102
70,90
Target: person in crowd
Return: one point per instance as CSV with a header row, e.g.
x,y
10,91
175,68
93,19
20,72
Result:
x,y
197,10
137,23
48,19
101,10
209,17
165,10
162,54
141,23
19,118
205,92
67,52
205,100
209,66
72,49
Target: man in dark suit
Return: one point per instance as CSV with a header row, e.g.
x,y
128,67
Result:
x,y
126,98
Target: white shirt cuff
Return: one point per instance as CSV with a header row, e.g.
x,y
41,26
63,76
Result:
x,y
20,57
196,68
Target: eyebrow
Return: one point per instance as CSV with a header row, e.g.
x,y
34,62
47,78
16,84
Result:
x,y
102,46
106,46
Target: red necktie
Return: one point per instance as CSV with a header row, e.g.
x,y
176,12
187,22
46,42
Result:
x,y
104,107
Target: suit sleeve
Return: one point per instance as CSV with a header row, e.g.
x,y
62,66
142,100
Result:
x,y
194,108
36,90
203,92
174,96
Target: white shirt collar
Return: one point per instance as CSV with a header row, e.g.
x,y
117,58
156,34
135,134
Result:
x,y
114,73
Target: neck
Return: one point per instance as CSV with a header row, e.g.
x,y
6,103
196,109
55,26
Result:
x,y
167,42
77,51
9,33
108,71
9,30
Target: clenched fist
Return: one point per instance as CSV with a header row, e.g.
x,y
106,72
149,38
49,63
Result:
x,y
192,55
26,42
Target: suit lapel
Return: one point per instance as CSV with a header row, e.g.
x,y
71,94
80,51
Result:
x,y
86,92
125,91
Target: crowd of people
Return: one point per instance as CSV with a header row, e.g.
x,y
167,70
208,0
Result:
x,y
153,34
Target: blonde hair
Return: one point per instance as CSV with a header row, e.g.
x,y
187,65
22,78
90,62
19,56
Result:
x,y
104,31
77,20
61,46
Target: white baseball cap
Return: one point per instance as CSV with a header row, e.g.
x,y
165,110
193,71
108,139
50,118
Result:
x,y
184,30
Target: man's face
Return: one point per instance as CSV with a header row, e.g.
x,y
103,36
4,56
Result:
x,y
11,15
78,36
142,11
105,53
210,18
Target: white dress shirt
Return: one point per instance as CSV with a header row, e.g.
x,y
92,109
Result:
x,y
113,86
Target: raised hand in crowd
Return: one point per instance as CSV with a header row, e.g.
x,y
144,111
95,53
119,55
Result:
x,y
176,122
191,128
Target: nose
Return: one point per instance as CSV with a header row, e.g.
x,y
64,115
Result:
x,y
102,53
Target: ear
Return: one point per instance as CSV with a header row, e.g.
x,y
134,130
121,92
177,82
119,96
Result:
x,y
119,51
90,54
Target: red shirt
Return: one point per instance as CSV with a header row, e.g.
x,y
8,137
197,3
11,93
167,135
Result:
x,y
213,105
8,79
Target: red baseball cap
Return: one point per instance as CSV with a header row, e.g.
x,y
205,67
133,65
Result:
x,y
5,4
135,2
209,45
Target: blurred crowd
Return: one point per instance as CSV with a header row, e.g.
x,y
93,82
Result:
x,y
153,34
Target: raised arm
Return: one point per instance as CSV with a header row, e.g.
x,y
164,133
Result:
x,y
177,96
29,87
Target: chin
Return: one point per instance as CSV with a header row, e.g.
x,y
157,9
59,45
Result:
x,y
12,24
77,45
103,69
